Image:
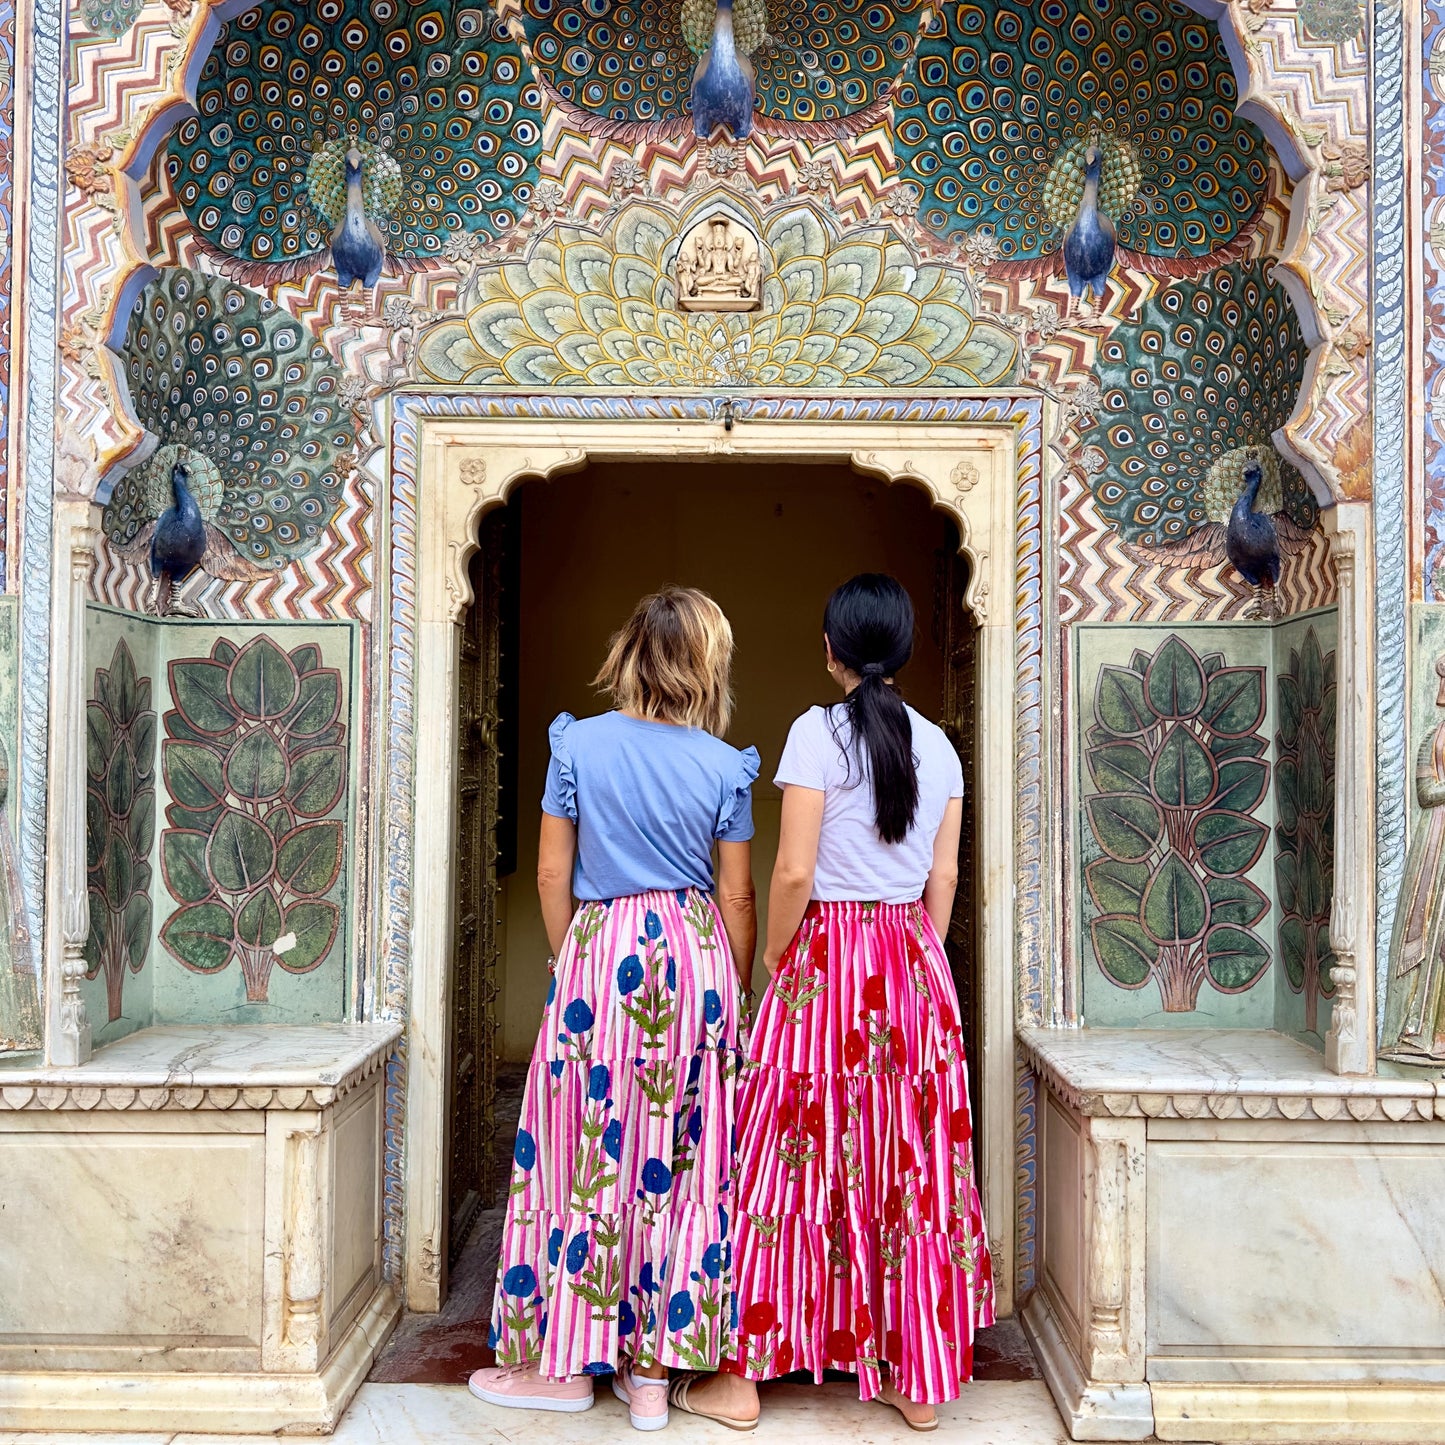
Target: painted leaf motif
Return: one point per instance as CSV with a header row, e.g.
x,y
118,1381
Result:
x,y
309,858
183,865
1184,772
194,774
1228,844
199,820
315,924
1235,900
200,936
1211,662
259,921
1234,703
1174,683
1326,955
256,769
118,870
1119,702
1119,767
317,780
1286,881
1313,895
1291,710
137,935
97,826
1126,826
278,821
1293,951
318,703
143,741
306,657
95,940
1224,749
99,737
1175,908
1242,782
123,686
241,853
1125,952
1313,792
1286,794
202,692
1117,887
120,781
1235,958
140,827
263,682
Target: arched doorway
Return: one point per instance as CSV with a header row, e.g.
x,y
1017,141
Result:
x,y
557,569
453,469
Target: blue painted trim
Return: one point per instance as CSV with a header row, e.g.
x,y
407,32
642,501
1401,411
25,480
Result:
x,y
42,248
1391,236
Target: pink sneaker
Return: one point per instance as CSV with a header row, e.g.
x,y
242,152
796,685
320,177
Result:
x,y
646,1400
525,1387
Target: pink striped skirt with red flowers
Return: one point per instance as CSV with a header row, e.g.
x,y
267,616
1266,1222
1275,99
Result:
x,y
860,1237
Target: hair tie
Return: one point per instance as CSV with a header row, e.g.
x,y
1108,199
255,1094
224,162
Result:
x,y
874,669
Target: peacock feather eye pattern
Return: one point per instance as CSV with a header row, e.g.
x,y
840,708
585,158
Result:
x,y
438,99
236,390
994,117
1211,369
633,60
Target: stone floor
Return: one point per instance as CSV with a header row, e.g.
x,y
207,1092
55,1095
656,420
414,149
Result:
x,y
991,1413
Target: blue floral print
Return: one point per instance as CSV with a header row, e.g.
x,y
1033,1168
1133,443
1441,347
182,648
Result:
x,y
520,1281
576,1253
629,975
599,1080
578,1016
679,1311
525,1150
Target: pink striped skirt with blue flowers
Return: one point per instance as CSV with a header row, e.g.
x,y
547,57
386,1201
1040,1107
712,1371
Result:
x,y
618,1237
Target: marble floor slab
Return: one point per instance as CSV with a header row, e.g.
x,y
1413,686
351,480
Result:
x,y
991,1413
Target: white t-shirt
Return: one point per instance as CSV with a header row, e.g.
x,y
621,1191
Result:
x,y
853,861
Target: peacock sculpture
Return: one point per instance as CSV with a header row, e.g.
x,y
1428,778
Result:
x,y
432,105
358,248
254,435
178,541
723,87
1189,399
1089,245
997,119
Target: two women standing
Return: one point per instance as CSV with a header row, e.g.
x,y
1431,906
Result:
x,y
808,1203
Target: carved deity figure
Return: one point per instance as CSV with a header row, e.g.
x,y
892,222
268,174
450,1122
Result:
x,y
1415,990
718,268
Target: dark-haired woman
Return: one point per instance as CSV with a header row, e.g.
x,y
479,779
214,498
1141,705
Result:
x,y
860,1239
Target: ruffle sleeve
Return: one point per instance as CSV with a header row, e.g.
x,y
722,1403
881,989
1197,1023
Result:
x,y
735,817
559,797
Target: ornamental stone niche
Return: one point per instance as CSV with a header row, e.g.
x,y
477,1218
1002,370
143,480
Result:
x,y
719,267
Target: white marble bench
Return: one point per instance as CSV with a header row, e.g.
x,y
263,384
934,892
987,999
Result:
x,y
191,1231
1236,1244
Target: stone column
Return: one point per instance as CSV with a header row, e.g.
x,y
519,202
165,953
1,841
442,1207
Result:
x,y
1350,1043
67,913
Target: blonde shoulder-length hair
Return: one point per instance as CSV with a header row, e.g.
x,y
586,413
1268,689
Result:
x,y
672,661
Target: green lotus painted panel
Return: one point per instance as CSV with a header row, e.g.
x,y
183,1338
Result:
x,y
1175,781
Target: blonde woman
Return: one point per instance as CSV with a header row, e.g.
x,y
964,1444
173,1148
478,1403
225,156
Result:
x,y
616,1251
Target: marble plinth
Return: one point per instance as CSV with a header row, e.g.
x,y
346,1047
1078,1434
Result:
x,y
192,1231
1237,1244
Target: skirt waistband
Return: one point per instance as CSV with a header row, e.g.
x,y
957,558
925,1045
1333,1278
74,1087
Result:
x,y
860,908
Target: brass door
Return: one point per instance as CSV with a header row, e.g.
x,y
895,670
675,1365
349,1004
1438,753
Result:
x,y
957,636
472,1085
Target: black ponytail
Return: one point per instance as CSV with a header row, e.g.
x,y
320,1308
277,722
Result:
x,y
869,625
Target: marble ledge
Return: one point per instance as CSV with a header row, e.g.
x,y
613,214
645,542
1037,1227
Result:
x,y
1218,1074
216,1066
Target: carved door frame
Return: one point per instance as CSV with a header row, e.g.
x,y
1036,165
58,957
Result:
x,y
465,466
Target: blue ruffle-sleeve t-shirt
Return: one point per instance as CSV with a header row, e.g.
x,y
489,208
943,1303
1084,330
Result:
x,y
649,800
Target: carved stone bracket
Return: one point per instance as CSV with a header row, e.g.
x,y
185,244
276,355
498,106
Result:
x,y
301,1299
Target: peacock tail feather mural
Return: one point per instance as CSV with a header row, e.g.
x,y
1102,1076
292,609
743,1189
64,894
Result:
x,y
1210,371
249,406
437,101
995,117
630,61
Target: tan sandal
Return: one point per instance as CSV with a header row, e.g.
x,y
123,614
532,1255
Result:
x,y
894,1403
677,1396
